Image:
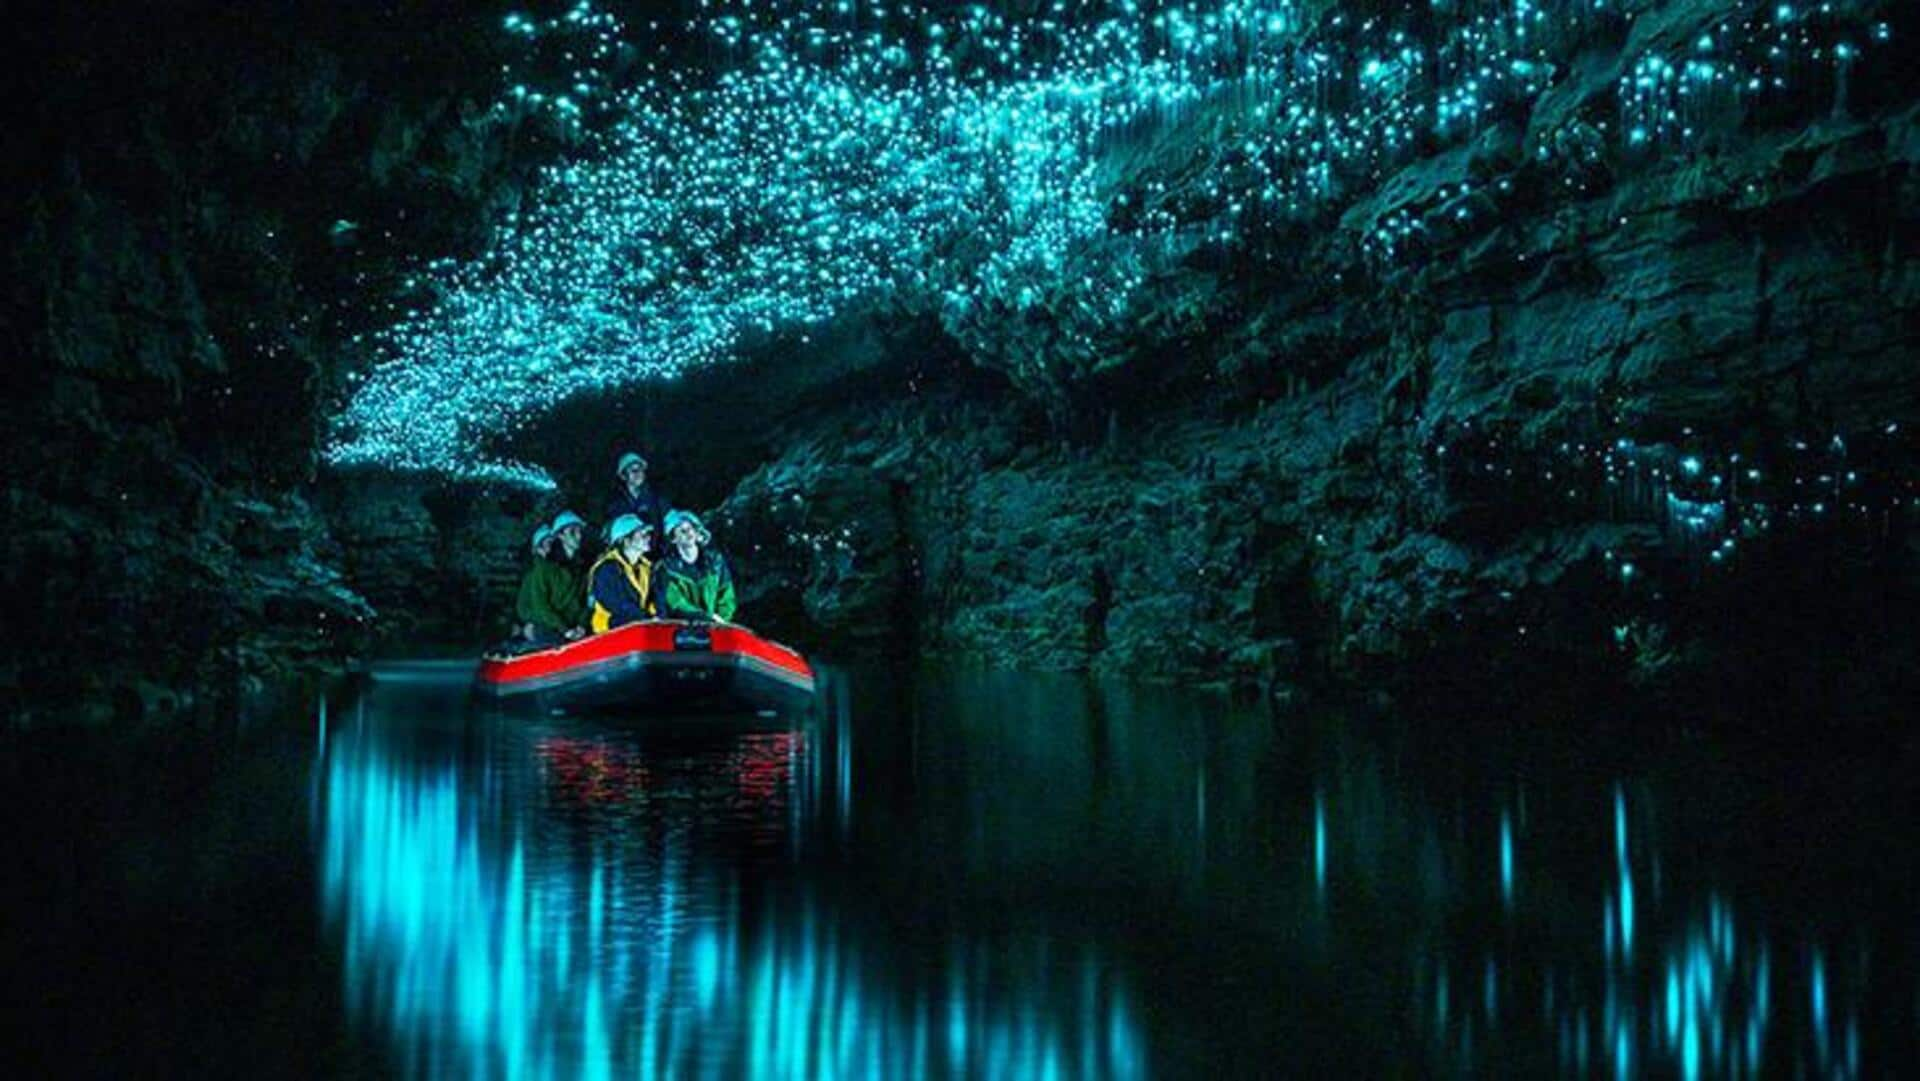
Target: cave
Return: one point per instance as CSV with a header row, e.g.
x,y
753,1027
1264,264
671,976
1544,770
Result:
x,y
1312,455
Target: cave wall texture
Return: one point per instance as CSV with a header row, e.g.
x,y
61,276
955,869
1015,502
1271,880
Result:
x,y
199,204
1600,421
1614,422
1367,468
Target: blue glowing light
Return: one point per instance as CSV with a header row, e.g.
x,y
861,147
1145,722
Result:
x,y
1626,871
961,165
1506,859
1319,843
488,944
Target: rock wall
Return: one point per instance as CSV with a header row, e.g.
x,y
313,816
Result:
x,y
1654,428
1528,409
440,565
202,211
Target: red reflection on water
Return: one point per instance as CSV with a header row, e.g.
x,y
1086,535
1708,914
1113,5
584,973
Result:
x,y
765,762
591,771
599,772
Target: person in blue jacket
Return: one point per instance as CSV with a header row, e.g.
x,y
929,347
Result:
x,y
621,581
635,496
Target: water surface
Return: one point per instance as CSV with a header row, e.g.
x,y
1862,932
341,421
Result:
x,y
948,873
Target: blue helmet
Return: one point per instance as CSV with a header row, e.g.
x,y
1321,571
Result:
x,y
624,526
566,518
627,459
541,536
676,518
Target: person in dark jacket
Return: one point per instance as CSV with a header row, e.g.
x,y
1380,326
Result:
x,y
692,580
619,586
551,605
635,496
569,532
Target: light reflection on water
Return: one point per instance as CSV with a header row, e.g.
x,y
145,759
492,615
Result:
x,y
548,900
1701,1002
1041,877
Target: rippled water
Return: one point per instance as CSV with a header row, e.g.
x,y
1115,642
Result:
x,y
958,874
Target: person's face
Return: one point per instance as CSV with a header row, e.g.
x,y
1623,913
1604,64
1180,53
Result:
x,y
570,540
544,548
686,535
635,475
635,543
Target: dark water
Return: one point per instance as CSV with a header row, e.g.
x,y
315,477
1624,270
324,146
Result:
x,y
954,874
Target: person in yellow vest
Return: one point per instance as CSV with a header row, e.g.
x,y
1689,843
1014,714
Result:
x,y
620,581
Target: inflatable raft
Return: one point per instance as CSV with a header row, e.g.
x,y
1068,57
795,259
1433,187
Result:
x,y
654,666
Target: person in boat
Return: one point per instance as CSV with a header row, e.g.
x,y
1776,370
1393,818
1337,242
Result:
x,y
541,543
551,607
692,581
620,585
570,532
634,495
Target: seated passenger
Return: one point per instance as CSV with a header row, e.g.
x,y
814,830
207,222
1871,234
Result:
x,y
567,593
618,586
523,604
552,605
692,581
569,531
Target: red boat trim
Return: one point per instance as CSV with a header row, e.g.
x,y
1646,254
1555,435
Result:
x,y
644,644
629,661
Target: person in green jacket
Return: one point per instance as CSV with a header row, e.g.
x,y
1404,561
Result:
x,y
569,532
692,580
552,602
